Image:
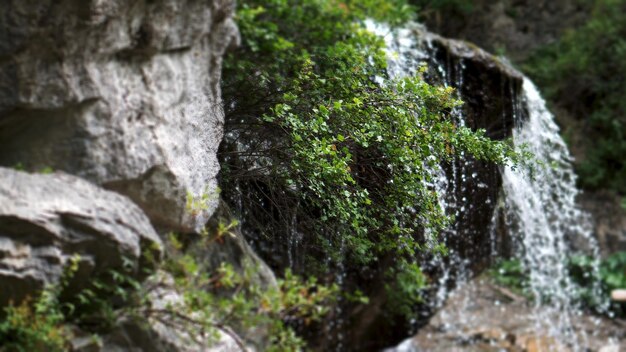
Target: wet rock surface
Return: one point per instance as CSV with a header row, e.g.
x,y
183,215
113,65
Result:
x,y
124,94
45,220
481,316
491,91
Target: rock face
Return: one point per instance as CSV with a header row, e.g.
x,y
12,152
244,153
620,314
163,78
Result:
x,y
482,316
122,93
123,98
47,219
231,248
491,92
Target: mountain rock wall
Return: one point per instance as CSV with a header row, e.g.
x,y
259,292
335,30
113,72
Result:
x,y
122,93
120,101
46,220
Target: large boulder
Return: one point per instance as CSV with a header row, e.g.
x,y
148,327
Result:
x,y
45,220
122,93
482,316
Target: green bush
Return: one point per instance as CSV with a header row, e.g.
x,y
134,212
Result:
x,y
34,326
510,273
320,147
213,301
584,72
225,298
38,324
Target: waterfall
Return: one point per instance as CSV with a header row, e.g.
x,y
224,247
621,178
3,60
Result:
x,y
542,202
539,203
405,54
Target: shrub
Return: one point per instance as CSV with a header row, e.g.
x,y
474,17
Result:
x,y
316,145
34,326
612,276
38,324
213,300
510,273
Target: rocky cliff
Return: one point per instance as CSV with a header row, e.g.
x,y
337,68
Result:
x,y
123,94
121,102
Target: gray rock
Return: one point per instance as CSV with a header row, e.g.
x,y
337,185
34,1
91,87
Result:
x,y
231,248
47,219
122,93
482,316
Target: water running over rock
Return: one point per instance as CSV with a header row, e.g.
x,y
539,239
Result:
x,y
538,220
545,220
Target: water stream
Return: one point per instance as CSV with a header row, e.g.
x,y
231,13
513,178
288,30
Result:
x,y
540,209
542,202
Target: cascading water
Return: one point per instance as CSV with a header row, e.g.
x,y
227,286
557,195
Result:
x,y
540,204
404,57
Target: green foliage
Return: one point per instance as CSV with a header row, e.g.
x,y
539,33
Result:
x,y
38,325
510,273
613,271
19,167
405,287
319,140
224,297
34,326
612,277
584,72
212,302
45,170
98,307
197,204
462,6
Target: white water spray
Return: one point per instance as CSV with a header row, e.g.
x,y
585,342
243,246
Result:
x,y
405,55
540,203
